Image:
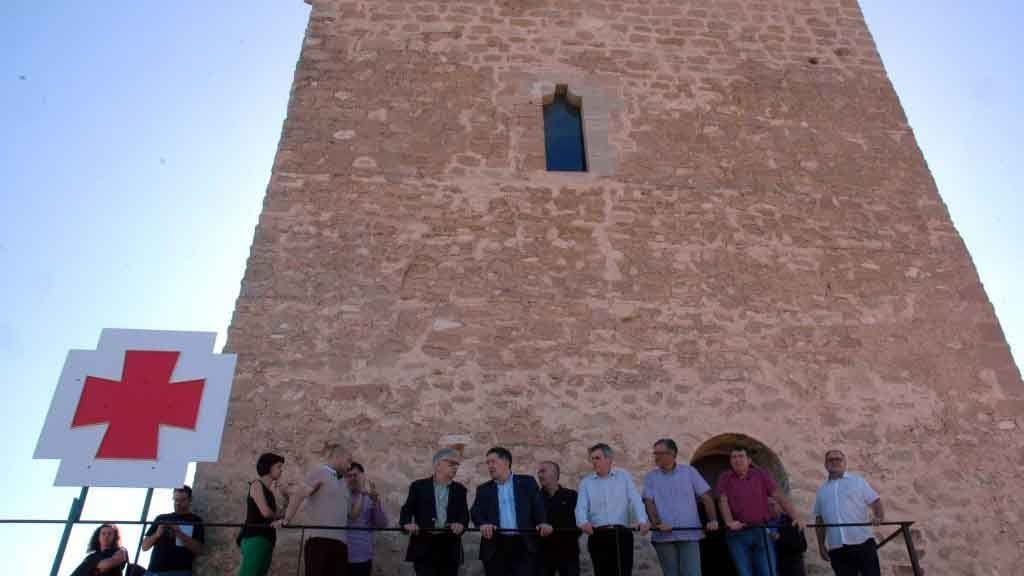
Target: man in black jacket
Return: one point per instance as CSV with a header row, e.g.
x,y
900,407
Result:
x,y
560,552
503,505
435,513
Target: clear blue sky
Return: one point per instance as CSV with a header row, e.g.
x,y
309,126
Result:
x,y
138,140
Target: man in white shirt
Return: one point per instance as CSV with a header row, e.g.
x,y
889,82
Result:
x,y
607,509
845,498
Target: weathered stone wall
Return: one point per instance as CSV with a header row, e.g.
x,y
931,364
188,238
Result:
x,y
758,249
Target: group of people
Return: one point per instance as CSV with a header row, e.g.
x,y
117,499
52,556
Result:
x,y
175,540
531,526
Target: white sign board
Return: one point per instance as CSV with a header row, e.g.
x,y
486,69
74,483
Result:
x,y
135,411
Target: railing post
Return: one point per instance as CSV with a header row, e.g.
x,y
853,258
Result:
x,y
302,547
145,514
767,553
915,564
618,552
74,515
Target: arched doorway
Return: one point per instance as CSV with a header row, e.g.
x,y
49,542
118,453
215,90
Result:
x,y
711,459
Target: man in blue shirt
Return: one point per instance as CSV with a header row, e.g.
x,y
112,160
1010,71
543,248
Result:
x,y
607,507
505,506
671,492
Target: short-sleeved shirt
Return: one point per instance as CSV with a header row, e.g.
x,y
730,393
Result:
x,y
675,496
747,496
841,501
329,504
169,554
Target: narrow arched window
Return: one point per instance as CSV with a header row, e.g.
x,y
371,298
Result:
x,y
563,132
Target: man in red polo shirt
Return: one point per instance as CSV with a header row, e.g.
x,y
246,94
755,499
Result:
x,y
743,494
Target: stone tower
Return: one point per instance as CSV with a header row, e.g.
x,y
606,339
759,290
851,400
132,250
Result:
x,y
756,253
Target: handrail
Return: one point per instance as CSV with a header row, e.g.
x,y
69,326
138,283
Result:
x,y
903,529
401,529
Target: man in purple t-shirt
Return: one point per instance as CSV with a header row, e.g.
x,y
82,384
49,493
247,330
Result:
x,y
743,494
670,494
366,512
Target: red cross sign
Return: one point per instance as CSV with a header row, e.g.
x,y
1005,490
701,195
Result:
x,y
136,405
138,409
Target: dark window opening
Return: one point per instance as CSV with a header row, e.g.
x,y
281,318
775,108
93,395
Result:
x,y
563,132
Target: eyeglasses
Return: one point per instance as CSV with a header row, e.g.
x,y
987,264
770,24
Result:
x,y
452,463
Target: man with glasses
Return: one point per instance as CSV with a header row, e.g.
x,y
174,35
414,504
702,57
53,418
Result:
x,y
435,514
175,544
671,492
845,498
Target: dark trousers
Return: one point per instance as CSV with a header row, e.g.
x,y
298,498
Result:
x,y
443,557
326,557
437,567
856,560
566,566
511,557
360,568
611,551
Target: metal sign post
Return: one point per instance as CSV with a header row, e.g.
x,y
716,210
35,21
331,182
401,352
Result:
x,y
74,515
145,515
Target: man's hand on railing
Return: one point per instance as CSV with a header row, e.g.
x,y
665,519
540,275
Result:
x,y
545,529
456,528
735,525
277,523
663,527
411,528
587,528
487,531
644,528
711,526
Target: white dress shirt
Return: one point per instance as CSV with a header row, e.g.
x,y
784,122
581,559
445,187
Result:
x,y
611,500
845,500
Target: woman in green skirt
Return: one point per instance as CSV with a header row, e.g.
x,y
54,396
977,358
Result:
x,y
262,517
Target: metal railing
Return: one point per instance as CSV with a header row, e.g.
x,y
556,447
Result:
x,y
902,529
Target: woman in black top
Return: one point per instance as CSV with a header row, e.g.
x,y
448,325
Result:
x,y
262,516
106,556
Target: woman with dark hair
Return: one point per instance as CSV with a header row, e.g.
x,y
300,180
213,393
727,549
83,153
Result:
x,y
105,554
264,508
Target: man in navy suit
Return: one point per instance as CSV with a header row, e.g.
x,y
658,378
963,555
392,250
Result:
x,y
435,514
504,504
